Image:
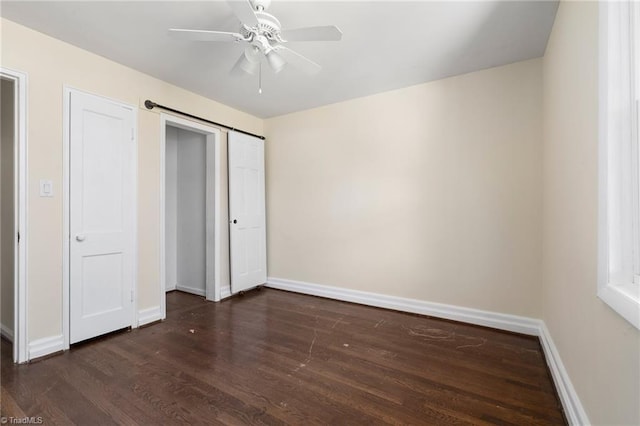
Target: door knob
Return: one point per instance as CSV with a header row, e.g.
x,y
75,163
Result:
x,y
80,238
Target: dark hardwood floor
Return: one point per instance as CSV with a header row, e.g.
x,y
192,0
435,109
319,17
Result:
x,y
272,357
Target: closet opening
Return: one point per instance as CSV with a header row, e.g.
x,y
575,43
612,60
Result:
x,y
185,225
8,247
13,211
190,210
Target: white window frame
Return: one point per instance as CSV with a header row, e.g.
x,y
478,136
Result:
x,y
619,159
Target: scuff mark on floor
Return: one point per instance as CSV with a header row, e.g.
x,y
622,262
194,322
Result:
x,y
379,323
48,389
337,322
431,333
313,341
523,350
315,336
483,341
382,353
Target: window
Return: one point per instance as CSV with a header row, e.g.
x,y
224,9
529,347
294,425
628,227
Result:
x,y
619,223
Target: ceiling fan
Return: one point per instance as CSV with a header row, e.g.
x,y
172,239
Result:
x,y
264,37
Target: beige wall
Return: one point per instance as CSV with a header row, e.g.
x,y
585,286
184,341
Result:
x,y
6,204
600,350
433,192
51,64
430,192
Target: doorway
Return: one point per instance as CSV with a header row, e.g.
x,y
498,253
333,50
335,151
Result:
x,y
13,210
185,211
7,207
190,209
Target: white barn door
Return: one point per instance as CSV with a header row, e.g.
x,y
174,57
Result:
x,y
102,179
247,212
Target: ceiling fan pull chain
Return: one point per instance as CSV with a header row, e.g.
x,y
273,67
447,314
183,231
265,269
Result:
x,y
260,79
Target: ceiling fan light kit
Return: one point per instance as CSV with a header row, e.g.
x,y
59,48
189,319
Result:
x,y
265,38
276,62
248,62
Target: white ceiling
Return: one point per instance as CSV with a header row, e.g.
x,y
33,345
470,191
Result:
x,y
386,44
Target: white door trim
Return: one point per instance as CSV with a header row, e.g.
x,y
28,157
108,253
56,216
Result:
x,y
21,183
213,216
67,91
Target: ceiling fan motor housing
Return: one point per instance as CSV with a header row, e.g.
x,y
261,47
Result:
x,y
268,29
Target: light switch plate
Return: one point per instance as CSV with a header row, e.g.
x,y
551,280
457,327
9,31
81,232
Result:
x,y
46,188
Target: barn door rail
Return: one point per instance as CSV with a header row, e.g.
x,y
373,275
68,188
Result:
x,y
151,105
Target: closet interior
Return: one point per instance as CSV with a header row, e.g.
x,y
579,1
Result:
x,y
185,215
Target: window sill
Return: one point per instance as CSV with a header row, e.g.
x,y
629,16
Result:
x,y
625,300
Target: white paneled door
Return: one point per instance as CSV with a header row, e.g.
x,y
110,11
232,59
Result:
x,y
102,179
247,212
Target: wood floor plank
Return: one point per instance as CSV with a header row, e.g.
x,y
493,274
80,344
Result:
x,y
272,357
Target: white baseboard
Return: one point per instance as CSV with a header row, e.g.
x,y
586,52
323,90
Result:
x,y
6,332
149,315
46,346
573,409
507,322
192,290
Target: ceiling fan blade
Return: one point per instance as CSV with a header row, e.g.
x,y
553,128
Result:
x,y
244,11
204,35
326,33
297,60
